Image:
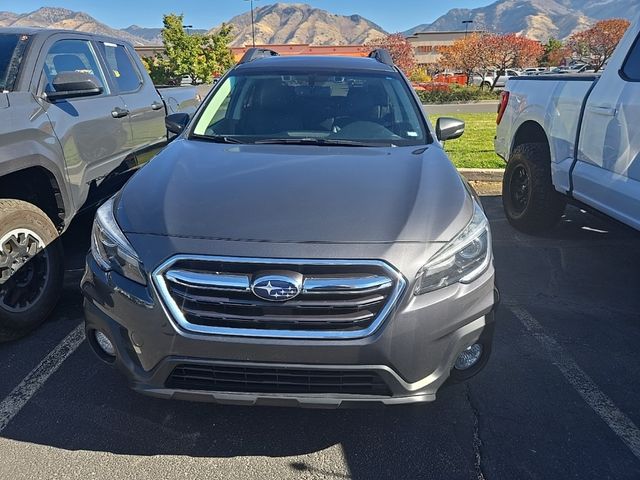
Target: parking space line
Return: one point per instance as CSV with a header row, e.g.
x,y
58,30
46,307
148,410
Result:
x,y
19,396
617,421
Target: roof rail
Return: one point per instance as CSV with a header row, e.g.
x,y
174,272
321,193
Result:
x,y
256,53
382,55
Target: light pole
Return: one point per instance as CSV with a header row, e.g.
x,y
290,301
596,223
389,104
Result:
x,y
466,24
253,25
187,27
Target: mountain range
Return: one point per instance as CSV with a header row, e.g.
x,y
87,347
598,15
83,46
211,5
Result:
x,y
538,19
302,23
153,36
65,19
276,23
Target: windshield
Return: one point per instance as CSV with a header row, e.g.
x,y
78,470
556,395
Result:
x,y
372,109
12,48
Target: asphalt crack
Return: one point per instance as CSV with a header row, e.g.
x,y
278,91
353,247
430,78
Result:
x,y
477,441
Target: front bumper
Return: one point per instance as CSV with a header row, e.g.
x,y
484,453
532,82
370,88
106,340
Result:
x,y
412,352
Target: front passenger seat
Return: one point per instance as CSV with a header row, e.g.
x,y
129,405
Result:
x,y
273,112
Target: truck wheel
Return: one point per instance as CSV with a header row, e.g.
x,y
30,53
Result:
x,y
31,268
530,201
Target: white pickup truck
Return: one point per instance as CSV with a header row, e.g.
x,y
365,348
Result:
x,y
573,138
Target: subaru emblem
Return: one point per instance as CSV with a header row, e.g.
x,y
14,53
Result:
x,y
277,286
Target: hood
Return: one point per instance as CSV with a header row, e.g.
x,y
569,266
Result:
x,y
299,194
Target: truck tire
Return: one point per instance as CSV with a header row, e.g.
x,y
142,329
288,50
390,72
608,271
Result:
x,y
530,201
31,268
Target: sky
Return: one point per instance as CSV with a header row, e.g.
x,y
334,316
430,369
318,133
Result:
x,y
393,16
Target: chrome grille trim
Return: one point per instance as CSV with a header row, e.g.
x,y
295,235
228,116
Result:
x,y
394,281
336,319
214,281
328,285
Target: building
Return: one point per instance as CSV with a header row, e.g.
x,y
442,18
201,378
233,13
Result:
x,y
282,49
427,45
149,50
306,49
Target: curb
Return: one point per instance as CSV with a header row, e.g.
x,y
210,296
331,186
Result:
x,y
482,174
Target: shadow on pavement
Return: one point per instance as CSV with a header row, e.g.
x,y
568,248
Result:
x,y
89,407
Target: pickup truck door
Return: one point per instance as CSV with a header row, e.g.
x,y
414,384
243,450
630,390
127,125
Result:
x,y
93,131
142,100
607,173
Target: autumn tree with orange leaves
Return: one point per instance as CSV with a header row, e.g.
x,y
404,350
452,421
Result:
x,y
597,44
400,49
468,55
512,51
482,52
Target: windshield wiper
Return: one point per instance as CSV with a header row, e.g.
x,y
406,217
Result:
x,y
219,138
316,141
355,143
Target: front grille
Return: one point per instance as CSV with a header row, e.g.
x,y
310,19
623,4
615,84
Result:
x,y
337,298
276,380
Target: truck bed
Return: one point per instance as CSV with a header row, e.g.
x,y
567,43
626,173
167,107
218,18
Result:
x,y
563,77
179,99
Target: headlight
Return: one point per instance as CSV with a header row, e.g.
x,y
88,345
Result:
x,y
463,259
111,249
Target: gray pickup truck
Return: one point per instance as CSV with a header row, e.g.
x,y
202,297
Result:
x,y
78,115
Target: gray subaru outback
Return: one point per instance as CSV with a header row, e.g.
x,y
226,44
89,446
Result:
x,y
303,241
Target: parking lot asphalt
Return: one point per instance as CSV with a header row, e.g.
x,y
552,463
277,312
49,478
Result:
x,y
558,399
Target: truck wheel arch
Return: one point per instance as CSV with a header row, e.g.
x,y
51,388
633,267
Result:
x,y
40,187
529,132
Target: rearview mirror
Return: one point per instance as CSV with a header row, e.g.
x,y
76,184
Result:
x,y
176,122
449,128
73,85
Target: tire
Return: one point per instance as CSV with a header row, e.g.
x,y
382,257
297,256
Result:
x,y
531,203
31,268
485,85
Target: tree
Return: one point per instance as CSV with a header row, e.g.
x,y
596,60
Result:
x,y
511,51
158,71
481,52
469,54
420,75
197,56
597,44
400,49
554,53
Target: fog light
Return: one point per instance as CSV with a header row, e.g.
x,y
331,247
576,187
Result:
x,y
469,357
105,344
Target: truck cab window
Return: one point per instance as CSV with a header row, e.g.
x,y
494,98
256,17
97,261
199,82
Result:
x,y
12,48
122,70
71,56
631,68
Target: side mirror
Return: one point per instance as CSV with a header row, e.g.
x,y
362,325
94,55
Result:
x,y
176,122
449,128
74,84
